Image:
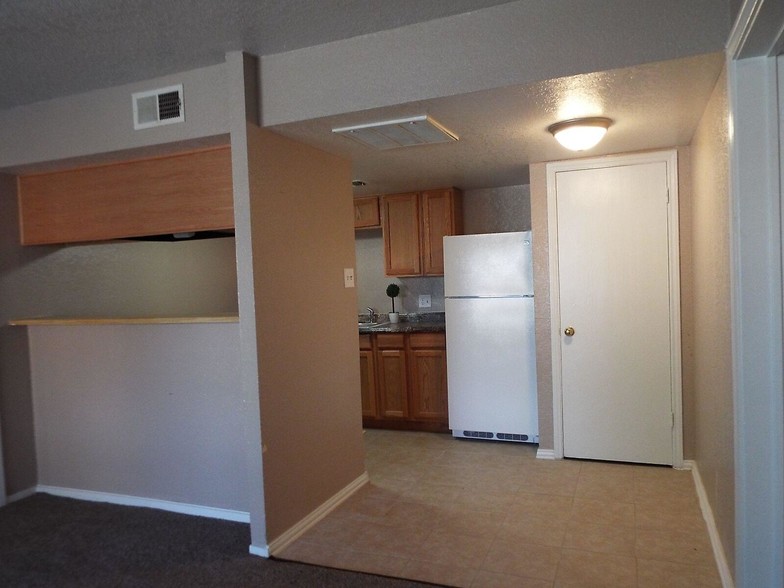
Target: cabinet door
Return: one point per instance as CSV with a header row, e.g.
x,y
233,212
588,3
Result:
x,y
441,216
428,377
392,375
401,235
366,213
178,193
367,370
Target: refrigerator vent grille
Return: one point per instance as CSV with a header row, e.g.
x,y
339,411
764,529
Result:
x,y
478,434
499,436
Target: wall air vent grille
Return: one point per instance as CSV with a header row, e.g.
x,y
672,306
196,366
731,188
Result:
x,y
154,108
169,105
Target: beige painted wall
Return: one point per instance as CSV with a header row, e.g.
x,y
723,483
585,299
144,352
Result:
x,y
544,356
311,425
712,360
16,401
154,412
101,122
544,367
497,210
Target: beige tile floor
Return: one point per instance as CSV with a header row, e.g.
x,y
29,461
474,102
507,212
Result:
x,y
473,513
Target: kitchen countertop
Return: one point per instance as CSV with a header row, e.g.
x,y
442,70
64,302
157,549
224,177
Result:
x,y
422,323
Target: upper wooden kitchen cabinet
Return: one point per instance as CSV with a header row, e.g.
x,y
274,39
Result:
x,y
400,214
415,225
366,213
176,193
442,215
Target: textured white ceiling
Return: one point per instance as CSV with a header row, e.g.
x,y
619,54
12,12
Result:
x,y
501,131
52,48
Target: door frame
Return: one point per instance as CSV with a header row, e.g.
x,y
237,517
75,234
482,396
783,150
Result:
x,y
670,157
757,250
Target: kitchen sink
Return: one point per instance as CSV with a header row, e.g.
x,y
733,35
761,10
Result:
x,y
369,325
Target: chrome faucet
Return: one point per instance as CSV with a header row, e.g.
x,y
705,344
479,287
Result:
x,y
372,314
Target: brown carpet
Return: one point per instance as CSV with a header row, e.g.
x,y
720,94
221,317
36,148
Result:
x,y
51,541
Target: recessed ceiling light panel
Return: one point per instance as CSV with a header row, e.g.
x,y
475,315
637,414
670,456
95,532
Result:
x,y
404,132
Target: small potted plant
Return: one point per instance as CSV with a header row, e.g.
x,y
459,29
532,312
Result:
x,y
392,291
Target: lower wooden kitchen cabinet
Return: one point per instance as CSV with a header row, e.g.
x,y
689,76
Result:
x,y
367,371
427,377
392,376
404,381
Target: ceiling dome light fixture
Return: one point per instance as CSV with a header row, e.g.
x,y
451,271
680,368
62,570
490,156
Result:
x,y
579,134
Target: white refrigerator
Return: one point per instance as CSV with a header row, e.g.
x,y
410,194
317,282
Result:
x,y
491,360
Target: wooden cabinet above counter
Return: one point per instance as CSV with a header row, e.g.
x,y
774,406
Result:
x,y
415,225
179,193
366,213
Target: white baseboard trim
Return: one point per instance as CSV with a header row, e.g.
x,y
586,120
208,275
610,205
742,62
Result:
x,y
20,495
125,500
295,532
260,551
713,532
545,453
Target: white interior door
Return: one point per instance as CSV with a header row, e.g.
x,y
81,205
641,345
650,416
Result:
x,y
615,333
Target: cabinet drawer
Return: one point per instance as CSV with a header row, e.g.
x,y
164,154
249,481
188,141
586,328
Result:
x,y
427,340
365,342
390,340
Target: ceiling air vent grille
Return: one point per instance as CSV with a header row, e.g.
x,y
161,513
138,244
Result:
x,y
154,108
402,132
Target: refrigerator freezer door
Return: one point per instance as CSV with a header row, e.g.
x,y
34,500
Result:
x,y
496,264
491,365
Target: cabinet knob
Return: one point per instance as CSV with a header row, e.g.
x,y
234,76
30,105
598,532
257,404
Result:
x,y
569,331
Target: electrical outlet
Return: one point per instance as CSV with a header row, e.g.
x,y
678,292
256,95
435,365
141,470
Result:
x,y
424,301
348,277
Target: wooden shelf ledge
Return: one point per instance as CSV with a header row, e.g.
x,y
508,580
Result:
x,y
142,320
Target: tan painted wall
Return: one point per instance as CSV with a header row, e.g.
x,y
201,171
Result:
x,y
544,365
712,361
311,424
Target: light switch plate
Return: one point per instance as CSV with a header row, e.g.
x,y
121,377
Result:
x,y
424,301
348,277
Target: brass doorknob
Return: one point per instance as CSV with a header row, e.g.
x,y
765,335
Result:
x,y
569,331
